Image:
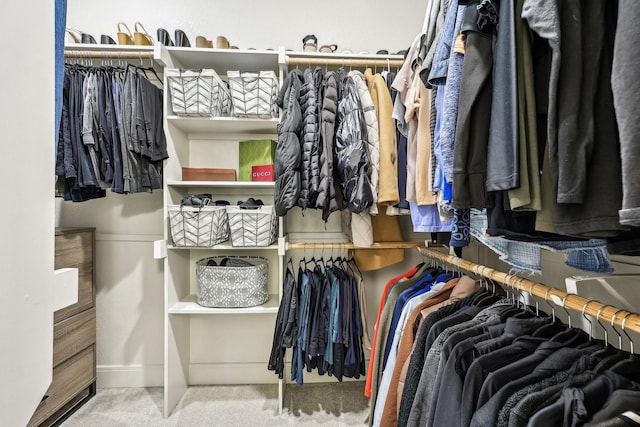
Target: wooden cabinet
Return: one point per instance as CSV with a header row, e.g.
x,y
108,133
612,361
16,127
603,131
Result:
x,y
74,332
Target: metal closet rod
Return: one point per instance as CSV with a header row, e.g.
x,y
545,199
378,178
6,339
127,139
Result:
x,y
337,245
347,62
96,54
627,320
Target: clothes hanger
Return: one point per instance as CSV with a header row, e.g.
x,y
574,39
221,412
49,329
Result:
x,y
624,320
613,326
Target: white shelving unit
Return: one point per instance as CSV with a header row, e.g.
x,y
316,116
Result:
x,y
215,345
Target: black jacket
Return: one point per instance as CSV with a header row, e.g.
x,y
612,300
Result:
x,y
287,157
310,103
351,139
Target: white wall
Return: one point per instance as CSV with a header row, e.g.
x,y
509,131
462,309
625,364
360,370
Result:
x,y
26,173
129,280
354,24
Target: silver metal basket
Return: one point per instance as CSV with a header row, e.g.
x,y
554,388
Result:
x,y
231,286
198,226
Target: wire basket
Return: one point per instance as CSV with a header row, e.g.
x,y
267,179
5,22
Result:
x,y
253,94
252,227
198,93
198,226
232,286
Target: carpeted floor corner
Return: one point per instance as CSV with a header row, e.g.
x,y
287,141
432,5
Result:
x,y
330,404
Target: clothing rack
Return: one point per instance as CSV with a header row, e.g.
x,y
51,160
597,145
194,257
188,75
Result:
x,y
344,61
94,54
627,320
338,245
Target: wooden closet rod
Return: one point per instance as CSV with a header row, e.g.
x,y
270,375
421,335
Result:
x,y
624,319
94,54
346,62
337,245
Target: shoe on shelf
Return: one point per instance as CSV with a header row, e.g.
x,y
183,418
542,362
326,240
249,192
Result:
x,y
164,37
140,35
310,43
181,39
222,42
79,37
202,41
88,39
328,48
124,38
382,52
105,39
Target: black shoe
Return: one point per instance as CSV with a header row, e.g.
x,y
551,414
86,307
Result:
x,y
181,39
164,37
88,39
105,39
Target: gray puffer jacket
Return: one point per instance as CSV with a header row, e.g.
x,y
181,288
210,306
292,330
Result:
x,y
287,158
326,199
310,103
351,139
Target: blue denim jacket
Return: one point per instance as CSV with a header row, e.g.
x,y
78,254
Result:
x,y
452,25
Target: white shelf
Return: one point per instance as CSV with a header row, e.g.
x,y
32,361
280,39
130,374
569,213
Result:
x,y
225,247
222,60
190,306
249,185
224,125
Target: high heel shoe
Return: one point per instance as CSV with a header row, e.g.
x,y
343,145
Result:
x,y
124,38
181,39
222,42
164,37
80,37
203,42
88,39
141,38
105,39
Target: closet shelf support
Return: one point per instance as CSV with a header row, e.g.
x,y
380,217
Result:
x,y
627,320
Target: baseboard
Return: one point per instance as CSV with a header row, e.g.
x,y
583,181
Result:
x,y
231,373
248,373
111,376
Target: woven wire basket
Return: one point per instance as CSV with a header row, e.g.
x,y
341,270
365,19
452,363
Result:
x,y
253,94
198,226
232,286
198,93
252,227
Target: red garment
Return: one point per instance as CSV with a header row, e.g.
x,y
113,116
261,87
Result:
x,y
383,299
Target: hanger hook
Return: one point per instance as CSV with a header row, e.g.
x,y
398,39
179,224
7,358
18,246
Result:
x,y
565,309
553,309
624,320
606,334
584,309
613,319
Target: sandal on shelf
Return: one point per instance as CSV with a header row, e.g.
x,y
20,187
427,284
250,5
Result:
x,y
203,42
79,37
310,43
181,39
105,39
222,42
124,38
328,48
141,38
164,37
88,39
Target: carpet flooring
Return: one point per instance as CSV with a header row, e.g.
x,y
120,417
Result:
x,y
329,404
